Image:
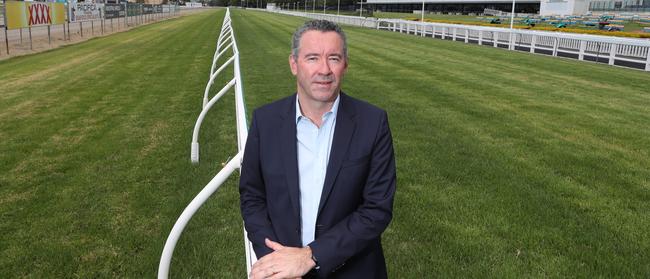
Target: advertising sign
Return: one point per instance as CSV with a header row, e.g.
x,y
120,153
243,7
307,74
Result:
x,y
85,11
114,10
134,9
26,14
148,9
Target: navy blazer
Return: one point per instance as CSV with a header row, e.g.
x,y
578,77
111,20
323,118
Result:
x,y
357,199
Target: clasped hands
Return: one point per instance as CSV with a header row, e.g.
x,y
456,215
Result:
x,y
283,262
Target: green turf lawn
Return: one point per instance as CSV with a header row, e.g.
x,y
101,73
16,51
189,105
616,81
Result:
x,y
509,164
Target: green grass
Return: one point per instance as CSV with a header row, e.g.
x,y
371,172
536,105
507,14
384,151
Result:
x,y
509,164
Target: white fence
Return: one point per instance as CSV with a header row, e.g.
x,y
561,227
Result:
x,y
626,52
226,44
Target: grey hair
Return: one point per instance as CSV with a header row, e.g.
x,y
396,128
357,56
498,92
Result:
x,y
317,25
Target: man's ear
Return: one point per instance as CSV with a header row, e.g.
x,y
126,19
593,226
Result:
x,y
293,65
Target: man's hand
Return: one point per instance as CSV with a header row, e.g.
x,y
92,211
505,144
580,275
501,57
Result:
x,y
284,262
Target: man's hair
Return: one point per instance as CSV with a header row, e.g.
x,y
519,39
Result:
x,y
317,25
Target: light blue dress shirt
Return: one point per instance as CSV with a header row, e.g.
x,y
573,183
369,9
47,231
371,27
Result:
x,y
314,145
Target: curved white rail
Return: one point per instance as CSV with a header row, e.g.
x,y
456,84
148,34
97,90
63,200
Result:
x,y
226,36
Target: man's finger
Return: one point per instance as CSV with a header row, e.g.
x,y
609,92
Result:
x,y
273,245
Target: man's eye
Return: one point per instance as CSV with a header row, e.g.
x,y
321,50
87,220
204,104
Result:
x,y
335,59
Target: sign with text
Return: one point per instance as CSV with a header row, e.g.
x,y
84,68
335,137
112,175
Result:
x,y
27,14
114,10
148,9
134,9
85,11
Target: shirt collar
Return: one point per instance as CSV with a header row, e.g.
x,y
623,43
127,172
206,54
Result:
x,y
334,110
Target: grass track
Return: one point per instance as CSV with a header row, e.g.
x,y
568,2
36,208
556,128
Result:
x,y
509,164
95,157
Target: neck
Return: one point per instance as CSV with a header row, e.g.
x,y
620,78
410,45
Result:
x,y
314,110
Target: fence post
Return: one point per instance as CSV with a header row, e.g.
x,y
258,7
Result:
x,y
7,38
555,45
480,37
443,32
583,45
466,35
453,34
647,61
495,38
612,53
533,41
31,46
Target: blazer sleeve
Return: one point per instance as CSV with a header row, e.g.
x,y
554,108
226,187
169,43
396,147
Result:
x,y
252,193
366,224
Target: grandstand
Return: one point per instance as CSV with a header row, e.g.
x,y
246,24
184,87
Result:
x,y
542,7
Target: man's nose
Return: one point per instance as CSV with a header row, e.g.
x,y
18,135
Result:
x,y
324,67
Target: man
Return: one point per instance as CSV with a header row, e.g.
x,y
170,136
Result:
x,y
318,174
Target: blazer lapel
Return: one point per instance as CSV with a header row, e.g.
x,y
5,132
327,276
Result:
x,y
290,157
345,124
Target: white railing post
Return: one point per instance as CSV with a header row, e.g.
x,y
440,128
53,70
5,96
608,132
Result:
x,y
581,54
533,41
466,35
480,37
647,60
555,46
612,53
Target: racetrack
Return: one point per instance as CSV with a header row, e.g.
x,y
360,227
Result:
x,y
509,164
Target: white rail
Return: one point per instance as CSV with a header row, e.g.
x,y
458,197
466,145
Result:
x,y
226,36
626,52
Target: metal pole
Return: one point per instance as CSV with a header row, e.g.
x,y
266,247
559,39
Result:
x,y
338,7
21,35
512,15
31,47
361,9
313,8
422,18
49,37
6,38
324,5
5,18
81,27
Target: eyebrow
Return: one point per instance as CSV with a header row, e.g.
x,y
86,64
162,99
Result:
x,y
316,54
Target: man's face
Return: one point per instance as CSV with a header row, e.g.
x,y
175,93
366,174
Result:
x,y
320,66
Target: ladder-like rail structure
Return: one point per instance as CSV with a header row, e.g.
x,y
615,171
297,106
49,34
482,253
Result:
x,y
226,44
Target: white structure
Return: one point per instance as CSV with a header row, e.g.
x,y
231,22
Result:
x,y
563,7
625,52
226,48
